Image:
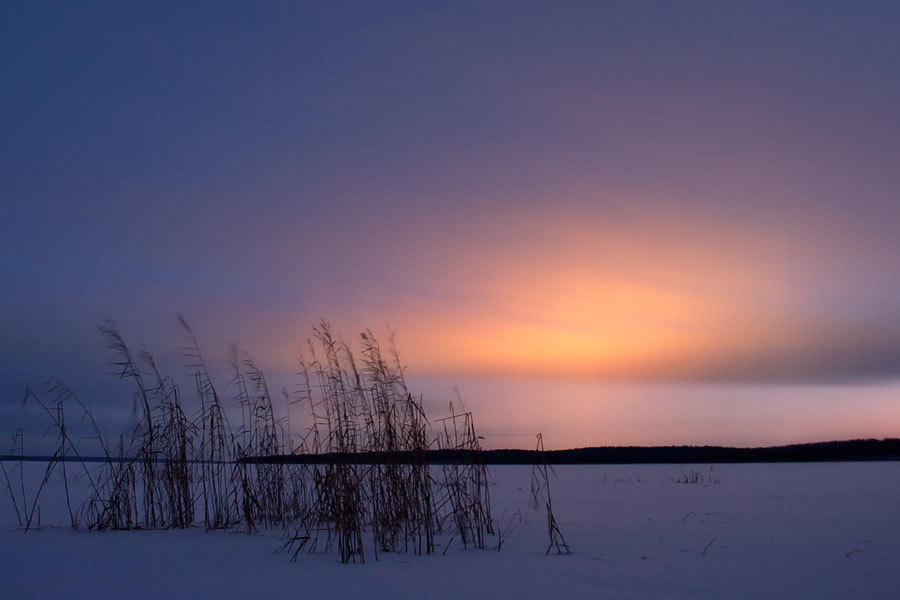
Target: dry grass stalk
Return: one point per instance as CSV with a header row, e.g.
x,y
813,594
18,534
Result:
x,y
540,483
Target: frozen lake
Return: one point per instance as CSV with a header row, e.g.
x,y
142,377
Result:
x,y
813,530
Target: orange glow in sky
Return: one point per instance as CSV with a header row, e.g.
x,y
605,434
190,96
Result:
x,y
635,300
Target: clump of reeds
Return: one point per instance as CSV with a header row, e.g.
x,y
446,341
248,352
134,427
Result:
x,y
369,479
696,477
465,481
215,446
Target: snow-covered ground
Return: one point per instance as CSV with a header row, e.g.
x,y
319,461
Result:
x,y
758,531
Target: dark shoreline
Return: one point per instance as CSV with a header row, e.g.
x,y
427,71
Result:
x,y
834,451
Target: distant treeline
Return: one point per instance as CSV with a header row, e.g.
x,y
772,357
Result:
x,y
849,450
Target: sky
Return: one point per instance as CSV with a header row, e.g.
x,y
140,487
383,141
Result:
x,y
609,222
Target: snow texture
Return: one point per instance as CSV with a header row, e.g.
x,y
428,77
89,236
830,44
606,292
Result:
x,y
820,530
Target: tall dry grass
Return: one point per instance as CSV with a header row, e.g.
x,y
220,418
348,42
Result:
x,y
216,463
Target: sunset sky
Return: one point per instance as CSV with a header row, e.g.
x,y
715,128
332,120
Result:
x,y
611,222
